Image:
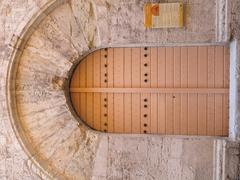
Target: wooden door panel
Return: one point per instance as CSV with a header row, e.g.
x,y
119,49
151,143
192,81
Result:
x,y
161,113
89,96
154,113
157,90
127,75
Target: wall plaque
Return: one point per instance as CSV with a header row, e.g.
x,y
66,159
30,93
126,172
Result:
x,y
163,15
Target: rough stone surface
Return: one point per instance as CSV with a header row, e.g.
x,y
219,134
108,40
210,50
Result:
x,y
46,141
235,31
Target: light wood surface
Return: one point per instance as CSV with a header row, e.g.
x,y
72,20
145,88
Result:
x,y
157,90
153,90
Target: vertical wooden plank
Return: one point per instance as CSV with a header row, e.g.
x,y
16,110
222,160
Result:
x,y
162,84
202,83
219,66
97,111
226,66
162,113
136,113
118,82
110,104
89,84
82,81
154,97
192,115
118,67
75,96
169,67
177,67
154,113
110,98
169,84
145,67
202,114
226,97
118,113
145,83
136,78
104,112
162,67
219,82
192,67
128,84
127,67
225,114
169,114
145,113
218,115
202,67
184,84
97,96
192,98
154,67
211,98
177,97
97,69
104,84
211,115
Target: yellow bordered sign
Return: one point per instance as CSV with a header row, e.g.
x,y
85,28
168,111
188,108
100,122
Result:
x,y
163,15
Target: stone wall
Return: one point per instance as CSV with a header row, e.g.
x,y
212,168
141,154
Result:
x,y
40,138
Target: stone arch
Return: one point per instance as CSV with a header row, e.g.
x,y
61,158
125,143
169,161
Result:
x,y
89,139
78,155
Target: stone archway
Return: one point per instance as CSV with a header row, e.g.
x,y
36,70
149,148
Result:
x,y
32,113
45,49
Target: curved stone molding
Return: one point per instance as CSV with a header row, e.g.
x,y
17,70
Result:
x,y
31,46
45,49
18,41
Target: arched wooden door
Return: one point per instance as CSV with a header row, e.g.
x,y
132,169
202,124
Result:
x,y
164,90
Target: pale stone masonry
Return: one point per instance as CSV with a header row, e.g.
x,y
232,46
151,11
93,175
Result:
x,y
40,137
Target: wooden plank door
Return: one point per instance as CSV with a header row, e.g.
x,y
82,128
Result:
x,y
155,90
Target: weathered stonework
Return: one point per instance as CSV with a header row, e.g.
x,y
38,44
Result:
x,y
40,137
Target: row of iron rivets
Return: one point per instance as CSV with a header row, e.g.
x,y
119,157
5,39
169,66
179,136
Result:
x,y
145,115
105,115
145,80
105,81
145,65
105,65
